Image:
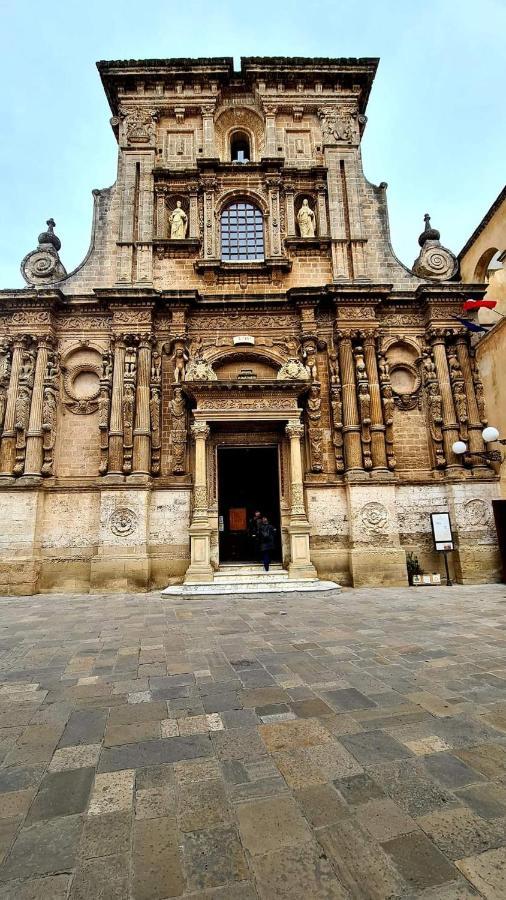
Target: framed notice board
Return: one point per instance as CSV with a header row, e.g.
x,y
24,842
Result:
x,y
237,519
441,531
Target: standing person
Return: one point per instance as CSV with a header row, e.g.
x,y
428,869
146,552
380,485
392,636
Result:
x,y
266,537
254,525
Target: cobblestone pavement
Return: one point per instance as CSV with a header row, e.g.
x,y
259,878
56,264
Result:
x,y
345,745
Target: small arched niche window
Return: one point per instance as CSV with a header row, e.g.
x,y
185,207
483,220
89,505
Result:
x,y
242,233
240,148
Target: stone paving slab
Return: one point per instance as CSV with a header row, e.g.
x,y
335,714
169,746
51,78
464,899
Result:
x,y
349,746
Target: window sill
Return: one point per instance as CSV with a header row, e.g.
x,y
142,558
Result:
x,y
298,243
266,265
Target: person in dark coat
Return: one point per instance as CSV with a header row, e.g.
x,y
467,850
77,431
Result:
x,y
266,538
253,526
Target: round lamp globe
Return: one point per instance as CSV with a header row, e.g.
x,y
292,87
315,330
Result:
x,y
490,434
459,448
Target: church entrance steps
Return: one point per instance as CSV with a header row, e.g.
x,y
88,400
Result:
x,y
250,579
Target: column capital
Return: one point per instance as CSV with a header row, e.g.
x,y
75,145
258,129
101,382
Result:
x,y
200,430
294,430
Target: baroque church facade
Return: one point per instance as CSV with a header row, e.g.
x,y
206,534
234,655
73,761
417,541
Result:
x,y
240,336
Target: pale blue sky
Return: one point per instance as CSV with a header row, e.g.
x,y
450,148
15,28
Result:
x,y
436,131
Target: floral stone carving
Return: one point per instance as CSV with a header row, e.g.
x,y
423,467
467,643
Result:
x,y
293,370
373,516
123,521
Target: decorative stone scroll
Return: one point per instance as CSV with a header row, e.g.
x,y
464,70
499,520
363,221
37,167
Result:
x,y
434,261
43,265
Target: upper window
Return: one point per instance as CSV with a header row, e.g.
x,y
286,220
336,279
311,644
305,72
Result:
x,y
239,148
242,233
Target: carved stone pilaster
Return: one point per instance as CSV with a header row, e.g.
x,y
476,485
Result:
x,y
378,446
437,337
434,406
155,406
364,406
142,430
20,347
388,407
129,404
116,428
178,432
104,409
351,420
459,392
315,433
49,413
33,446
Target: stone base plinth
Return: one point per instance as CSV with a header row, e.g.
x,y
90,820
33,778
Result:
x,y
119,573
382,567
477,565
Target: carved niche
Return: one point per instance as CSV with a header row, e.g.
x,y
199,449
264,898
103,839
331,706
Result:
x,y
82,369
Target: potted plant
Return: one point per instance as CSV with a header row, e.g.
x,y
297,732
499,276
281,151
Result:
x,y
413,566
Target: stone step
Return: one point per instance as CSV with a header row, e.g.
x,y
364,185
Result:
x,y
252,573
253,587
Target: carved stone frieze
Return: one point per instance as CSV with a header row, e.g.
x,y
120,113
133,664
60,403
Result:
x,y
338,124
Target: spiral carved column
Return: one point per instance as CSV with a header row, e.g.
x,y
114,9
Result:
x,y
8,443
378,448
351,419
34,435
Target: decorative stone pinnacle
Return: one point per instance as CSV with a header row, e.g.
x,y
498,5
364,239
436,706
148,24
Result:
x,y
48,237
428,234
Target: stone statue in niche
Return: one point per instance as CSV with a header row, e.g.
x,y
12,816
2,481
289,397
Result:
x,y
306,220
178,432
178,221
388,403
155,402
333,367
180,358
309,357
314,403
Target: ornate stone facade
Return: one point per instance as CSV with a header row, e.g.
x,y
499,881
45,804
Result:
x,y
233,301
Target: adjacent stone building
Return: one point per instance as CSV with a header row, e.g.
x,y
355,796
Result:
x,y
240,336
482,260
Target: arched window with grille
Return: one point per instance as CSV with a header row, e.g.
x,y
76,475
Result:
x,y
242,233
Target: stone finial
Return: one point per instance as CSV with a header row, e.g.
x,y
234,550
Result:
x,y
434,261
428,233
43,265
49,237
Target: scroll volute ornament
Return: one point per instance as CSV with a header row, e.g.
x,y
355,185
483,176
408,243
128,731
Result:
x,y
434,261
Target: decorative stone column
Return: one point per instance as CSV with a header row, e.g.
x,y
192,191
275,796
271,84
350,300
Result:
x,y
200,569
351,420
116,426
194,212
323,228
270,130
8,443
161,213
209,237
209,148
274,218
142,429
34,435
378,448
300,565
290,210
450,426
475,426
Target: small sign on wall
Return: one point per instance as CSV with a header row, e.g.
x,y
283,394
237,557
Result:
x,y
244,339
442,531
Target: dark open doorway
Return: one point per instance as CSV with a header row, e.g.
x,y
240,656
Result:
x,y
248,480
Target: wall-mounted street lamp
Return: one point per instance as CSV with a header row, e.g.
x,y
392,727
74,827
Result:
x,y
490,435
